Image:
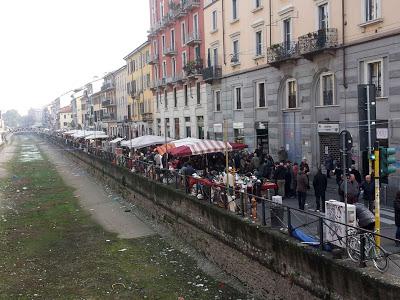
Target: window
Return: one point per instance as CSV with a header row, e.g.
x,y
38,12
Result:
x,y
258,43
372,10
234,10
173,65
196,24
162,9
172,39
235,51
327,89
257,4
200,127
157,102
167,127
164,69
238,135
287,33
198,93
188,127
261,94
165,99
214,20
217,100
197,52
183,33
215,57
184,58
163,44
323,16
185,87
375,76
291,89
238,97
175,98
177,135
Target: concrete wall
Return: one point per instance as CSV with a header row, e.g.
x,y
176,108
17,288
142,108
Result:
x,y
271,263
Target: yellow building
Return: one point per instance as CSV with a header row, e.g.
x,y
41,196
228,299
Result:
x,y
140,99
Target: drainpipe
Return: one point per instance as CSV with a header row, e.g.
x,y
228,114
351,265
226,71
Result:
x,y
270,23
223,31
343,47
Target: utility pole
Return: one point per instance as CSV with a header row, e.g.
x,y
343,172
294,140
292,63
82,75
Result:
x,y
369,132
377,196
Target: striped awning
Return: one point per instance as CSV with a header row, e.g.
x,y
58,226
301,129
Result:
x,y
205,147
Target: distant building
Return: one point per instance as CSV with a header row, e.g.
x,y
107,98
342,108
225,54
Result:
x,y
65,117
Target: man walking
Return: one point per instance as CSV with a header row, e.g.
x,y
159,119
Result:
x,y
280,174
320,183
368,189
302,183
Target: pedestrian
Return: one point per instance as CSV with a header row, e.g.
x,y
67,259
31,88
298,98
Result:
x,y
338,173
365,218
368,192
279,176
356,174
352,189
396,205
288,179
255,162
295,170
302,183
329,165
320,183
306,170
282,154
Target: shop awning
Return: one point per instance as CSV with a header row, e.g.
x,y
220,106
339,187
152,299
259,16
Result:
x,y
205,147
182,142
117,140
145,141
98,136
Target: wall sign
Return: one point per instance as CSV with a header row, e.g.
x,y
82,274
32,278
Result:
x,y
328,128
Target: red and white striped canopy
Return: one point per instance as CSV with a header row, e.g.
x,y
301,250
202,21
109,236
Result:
x,y
205,147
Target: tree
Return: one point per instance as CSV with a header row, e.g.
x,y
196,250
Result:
x,y
12,118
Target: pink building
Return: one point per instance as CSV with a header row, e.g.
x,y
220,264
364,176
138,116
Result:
x,y
176,37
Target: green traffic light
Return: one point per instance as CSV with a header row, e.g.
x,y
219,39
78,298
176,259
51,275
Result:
x,y
386,160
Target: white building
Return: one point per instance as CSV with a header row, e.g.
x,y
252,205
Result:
x,y
121,96
65,118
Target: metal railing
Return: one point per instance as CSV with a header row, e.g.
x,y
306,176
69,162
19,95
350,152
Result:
x,y
212,73
255,205
281,52
318,40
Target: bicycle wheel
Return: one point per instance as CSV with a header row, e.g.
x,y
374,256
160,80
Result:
x,y
353,248
380,259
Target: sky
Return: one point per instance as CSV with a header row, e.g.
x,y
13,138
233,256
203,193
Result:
x,y
49,47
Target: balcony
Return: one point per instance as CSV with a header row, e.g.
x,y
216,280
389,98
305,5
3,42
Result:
x,y
318,41
108,103
153,59
178,78
193,68
235,59
109,117
147,117
191,4
107,86
281,53
193,39
170,51
212,73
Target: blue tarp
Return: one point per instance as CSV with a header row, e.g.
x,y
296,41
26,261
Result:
x,y
308,239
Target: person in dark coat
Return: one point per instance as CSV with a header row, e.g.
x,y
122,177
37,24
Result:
x,y
302,183
365,218
338,173
320,183
356,174
368,190
280,174
396,205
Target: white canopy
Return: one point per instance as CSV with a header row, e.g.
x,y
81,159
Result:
x,y
85,133
117,140
98,136
71,131
145,141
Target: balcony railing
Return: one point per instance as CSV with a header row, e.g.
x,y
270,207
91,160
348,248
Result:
x,y
170,51
193,39
107,86
191,4
153,59
107,103
212,73
147,117
282,52
235,59
193,68
318,41
109,117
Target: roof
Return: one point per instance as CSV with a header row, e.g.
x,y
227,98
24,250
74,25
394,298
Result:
x,y
66,109
137,49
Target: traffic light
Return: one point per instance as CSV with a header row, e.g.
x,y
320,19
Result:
x,y
386,161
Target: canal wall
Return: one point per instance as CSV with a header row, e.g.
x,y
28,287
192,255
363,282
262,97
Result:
x,y
267,261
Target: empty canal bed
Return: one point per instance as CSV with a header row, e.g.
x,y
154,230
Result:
x,y
64,235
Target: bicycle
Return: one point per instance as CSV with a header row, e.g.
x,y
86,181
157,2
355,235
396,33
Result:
x,y
372,251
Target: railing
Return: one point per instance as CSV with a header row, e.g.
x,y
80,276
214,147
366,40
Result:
x,y
212,73
193,68
318,40
193,39
108,117
153,60
254,204
106,103
107,86
170,51
281,52
191,4
147,117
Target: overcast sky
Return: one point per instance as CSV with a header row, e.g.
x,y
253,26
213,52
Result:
x,y
49,47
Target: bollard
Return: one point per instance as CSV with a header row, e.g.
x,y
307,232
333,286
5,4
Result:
x,y
289,221
243,203
264,221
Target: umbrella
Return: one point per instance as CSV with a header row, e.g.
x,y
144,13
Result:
x,y
205,147
145,141
182,142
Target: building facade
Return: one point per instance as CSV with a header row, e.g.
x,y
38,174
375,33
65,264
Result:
x,y
65,118
177,46
290,72
140,109
109,105
121,97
